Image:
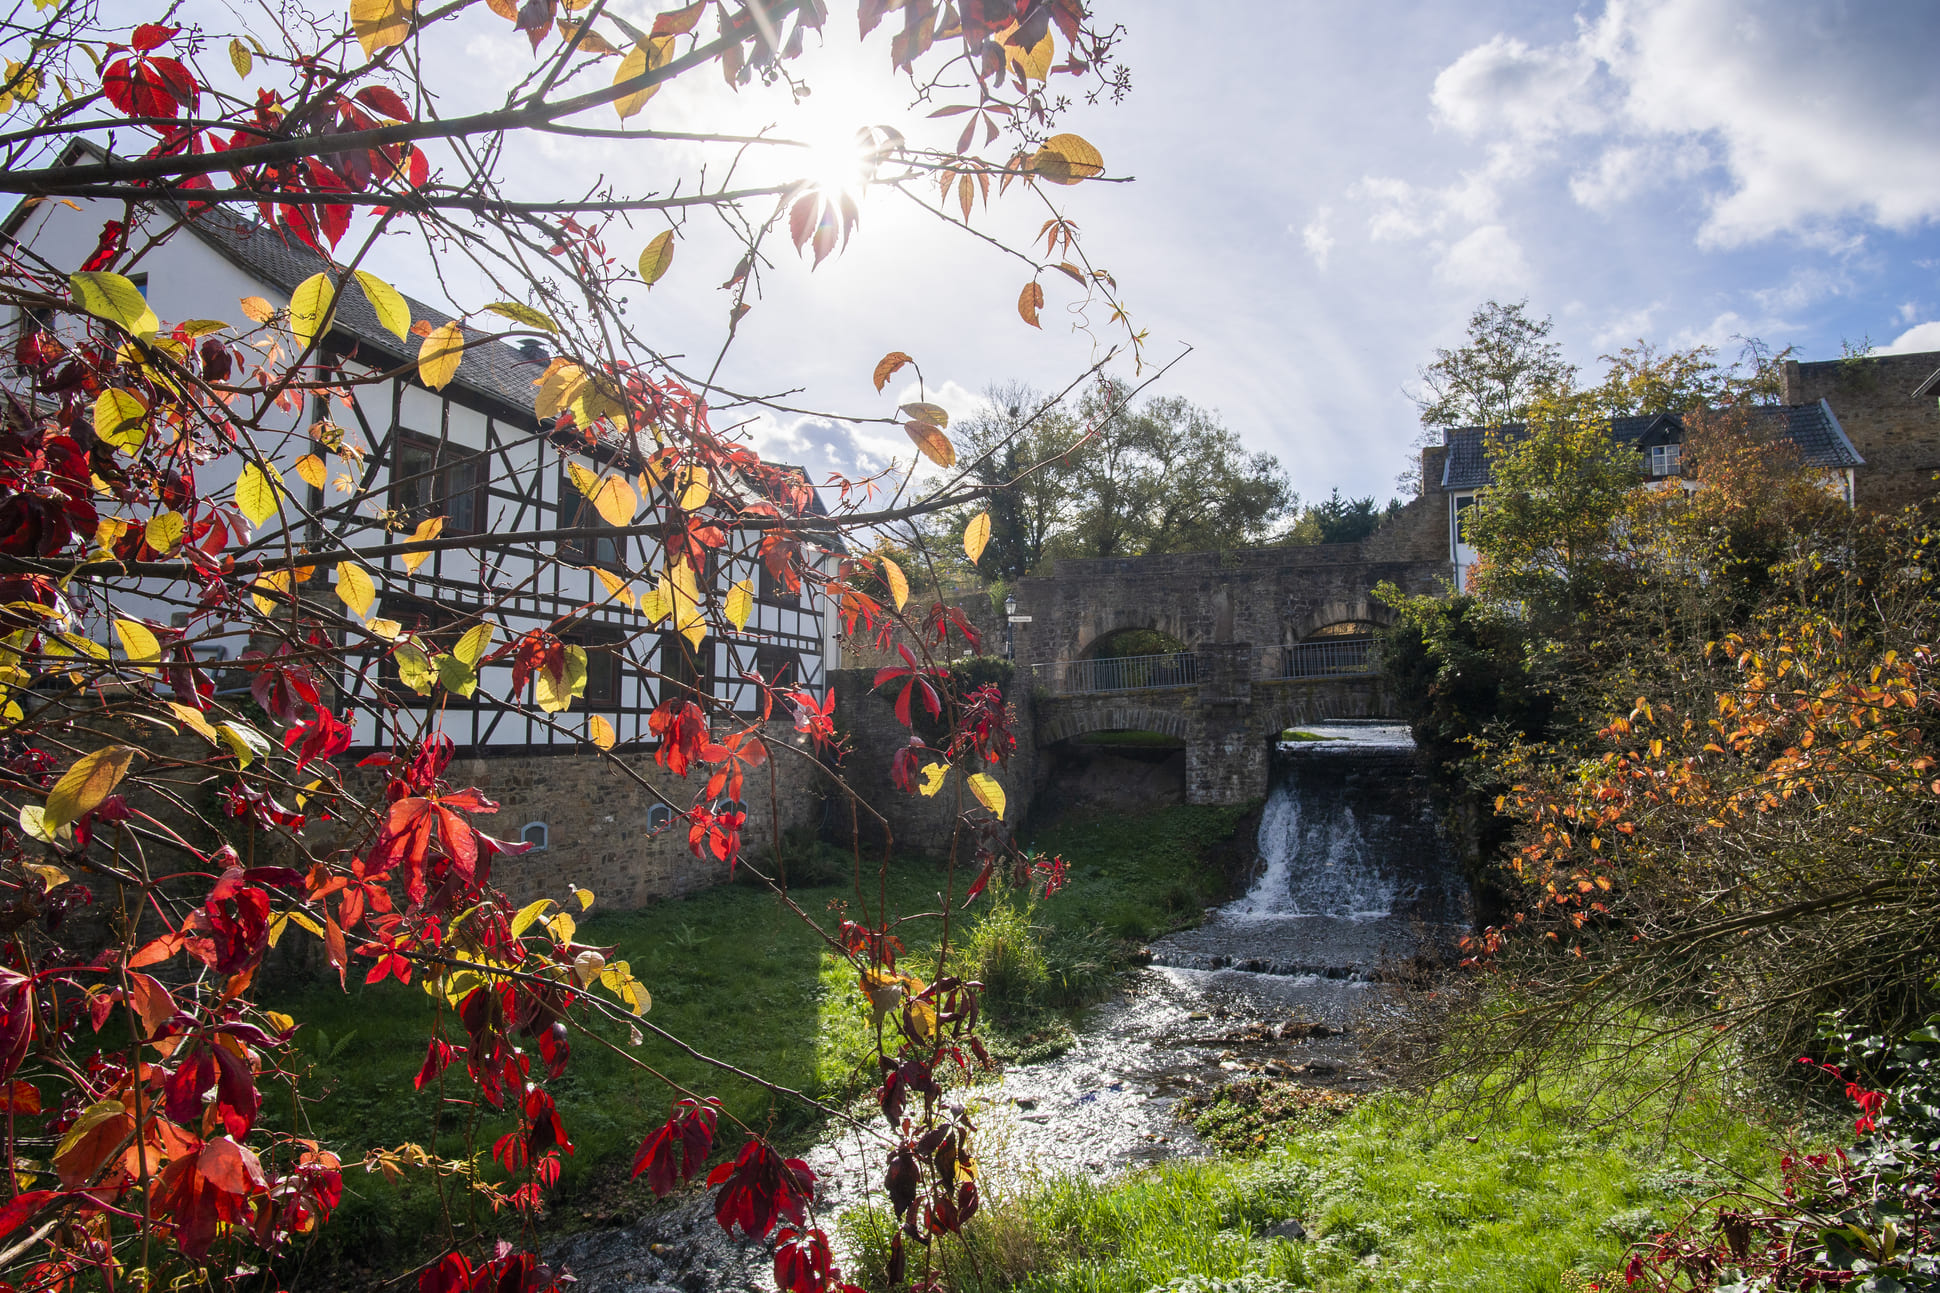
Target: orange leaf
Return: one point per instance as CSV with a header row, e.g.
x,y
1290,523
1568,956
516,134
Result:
x,y
886,368
935,445
1029,302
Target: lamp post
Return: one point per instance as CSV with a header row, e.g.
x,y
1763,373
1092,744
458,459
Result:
x,y
1010,629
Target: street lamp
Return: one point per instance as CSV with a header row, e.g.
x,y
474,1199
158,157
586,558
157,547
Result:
x,y
1010,629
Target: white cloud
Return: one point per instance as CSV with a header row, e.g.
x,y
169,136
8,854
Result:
x,y
1510,87
1317,238
1626,328
1625,171
1487,260
1921,336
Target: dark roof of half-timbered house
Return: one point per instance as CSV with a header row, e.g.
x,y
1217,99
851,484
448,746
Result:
x,y
1811,428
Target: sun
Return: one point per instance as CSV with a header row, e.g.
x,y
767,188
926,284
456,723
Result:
x,y
840,162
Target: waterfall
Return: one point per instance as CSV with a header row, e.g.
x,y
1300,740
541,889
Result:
x,y
1317,864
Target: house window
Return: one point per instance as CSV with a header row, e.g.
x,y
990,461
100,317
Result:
x,y
1462,503
659,817
427,481
772,590
780,665
535,834
602,675
686,671
1666,459
576,512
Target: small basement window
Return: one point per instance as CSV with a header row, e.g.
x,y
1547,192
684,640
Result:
x,y
659,817
535,834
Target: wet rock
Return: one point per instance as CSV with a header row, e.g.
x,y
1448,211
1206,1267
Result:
x,y
1300,1030
1290,1230
1143,956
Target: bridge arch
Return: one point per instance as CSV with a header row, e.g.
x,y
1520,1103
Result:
x,y
1129,640
1360,609
1078,719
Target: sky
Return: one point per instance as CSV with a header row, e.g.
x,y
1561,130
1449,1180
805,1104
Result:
x,y
1320,196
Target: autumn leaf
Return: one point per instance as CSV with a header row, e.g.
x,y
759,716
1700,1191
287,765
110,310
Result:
x,y
354,587
898,582
933,775
164,531
472,646
688,621
1030,301
121,418
1067,159
600,732
525,314
649,56
83,786
440,355
740,603
380,24
1034,62
694,487
310,308
387,303
426,531
988,792
888,366
935,445
256,309
456,676
658,255
240,58
556,691
934,414
256,494
140,644
116,299
615,501
311,469
975,536
615,586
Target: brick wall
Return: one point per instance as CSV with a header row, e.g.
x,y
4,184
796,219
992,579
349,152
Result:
x,y
1896,433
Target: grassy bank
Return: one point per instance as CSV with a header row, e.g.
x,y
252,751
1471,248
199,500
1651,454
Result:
x,y
1391,1198
741,978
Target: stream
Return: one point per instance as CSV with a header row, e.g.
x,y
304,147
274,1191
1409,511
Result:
x,y
1354,877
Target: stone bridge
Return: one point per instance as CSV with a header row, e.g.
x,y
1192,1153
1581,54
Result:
x,y
1270,637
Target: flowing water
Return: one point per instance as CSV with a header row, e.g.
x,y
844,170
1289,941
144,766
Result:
x,y
1354,878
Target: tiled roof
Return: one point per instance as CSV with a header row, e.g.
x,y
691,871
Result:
x,y
1812,427
500,372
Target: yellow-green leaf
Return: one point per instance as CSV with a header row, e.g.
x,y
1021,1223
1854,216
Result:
x,y
933,775
240,58
256,494
556,691
618,979
114,298
471,648
456,676
740,603
584,479
141,646
527,915
380,24
387,303
33,820
414,668
311,469
354,587
655,53
164,531
975,536
121,418
192,719
1068,159
898,582
310,308
439,356
83,786
688,621
934,414
659,254
656,603
988,792
600,732
386,629
244,741
615,501
525,314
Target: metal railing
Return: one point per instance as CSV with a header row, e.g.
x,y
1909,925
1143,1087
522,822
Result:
x,y
1120,673
1330,658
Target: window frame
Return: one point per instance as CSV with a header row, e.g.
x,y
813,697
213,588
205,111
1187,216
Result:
x,y
446,459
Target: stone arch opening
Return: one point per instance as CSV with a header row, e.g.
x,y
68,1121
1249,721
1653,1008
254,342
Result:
x,y
1359,616
1131,641
1099,759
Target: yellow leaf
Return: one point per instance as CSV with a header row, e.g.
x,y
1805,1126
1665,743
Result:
x,y
426,531
386,629
528,915
140,645
688,621
311,469
898,582
256,494
585,897
310,308
615,586
193,720
694,487
656,603
657,257
975,536
933,775
275,581
354,587
525,314
387,303
414,668
256,309
600,732
654,54
618,979
934,414
439,356
988,792
164,531
240,58
560,386
197,328
474,644
33,820
615,501
121,418
740,603
380,24
934,444
1034,62
1068,159
82,788
556,691
114,298
584,479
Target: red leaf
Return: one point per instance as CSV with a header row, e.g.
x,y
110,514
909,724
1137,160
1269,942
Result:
x,y
21,1207
151,35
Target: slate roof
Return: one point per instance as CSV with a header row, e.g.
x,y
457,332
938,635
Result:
x,y
1820,439
500,372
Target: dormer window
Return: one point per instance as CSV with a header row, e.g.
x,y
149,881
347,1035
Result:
x,y
1666,459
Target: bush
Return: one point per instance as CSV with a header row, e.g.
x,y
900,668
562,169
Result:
x,y
1004,953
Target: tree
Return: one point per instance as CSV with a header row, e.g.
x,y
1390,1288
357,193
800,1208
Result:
x,y
1505,365
1339,520
150,512
1640,379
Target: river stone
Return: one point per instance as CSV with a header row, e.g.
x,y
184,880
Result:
x,y
1290,1230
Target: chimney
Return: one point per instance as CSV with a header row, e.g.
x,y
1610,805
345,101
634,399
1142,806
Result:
x,y
1791,383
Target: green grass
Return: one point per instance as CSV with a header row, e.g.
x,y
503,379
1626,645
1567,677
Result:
x,y
741,978
1392,1197
1301,734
